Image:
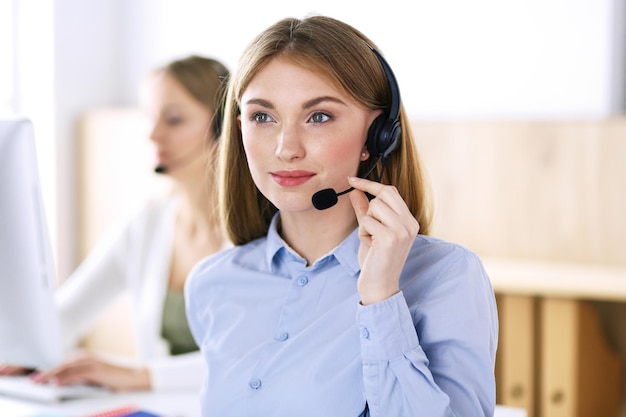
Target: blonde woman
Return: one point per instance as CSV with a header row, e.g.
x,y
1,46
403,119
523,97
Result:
x,y
334,300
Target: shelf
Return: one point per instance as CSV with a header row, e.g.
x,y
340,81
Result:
x,y
559,280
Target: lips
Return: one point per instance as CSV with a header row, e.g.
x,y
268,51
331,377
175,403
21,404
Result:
x,y
291,178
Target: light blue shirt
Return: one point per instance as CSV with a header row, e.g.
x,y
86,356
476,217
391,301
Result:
x,y
284,339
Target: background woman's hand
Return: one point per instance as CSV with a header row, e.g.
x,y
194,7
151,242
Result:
x,y
6,369
387,230
87,368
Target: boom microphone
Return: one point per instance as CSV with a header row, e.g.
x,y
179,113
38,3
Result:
x,y
179,162
327,197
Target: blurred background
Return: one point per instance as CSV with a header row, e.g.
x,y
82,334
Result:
x,y
534,82
454,59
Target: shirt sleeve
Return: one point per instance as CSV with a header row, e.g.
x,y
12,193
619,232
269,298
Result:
x,y
435,355
91,287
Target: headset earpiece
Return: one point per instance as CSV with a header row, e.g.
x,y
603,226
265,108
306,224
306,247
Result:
x,y
383,136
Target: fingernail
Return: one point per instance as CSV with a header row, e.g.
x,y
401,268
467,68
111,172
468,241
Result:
x,y
353,179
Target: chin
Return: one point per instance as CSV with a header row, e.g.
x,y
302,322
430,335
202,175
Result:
x,y
292,203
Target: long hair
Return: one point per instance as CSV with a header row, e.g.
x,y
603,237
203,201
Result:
x,y
343,55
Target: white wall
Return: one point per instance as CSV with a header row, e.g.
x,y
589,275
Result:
x,y
452,58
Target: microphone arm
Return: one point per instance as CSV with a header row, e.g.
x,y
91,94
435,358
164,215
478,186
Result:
x,y
369,171
327,197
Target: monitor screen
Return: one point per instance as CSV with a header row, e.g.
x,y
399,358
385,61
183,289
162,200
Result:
x,y
29,329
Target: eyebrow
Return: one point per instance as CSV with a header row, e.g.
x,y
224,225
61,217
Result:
x,y
261,102
318,100
307,105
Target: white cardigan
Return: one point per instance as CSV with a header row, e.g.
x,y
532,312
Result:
x,y
135,258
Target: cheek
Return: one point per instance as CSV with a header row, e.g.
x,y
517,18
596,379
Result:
x,y
255,153
341,151
248,143
192,134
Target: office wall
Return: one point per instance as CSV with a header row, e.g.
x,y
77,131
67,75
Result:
x,y
454,59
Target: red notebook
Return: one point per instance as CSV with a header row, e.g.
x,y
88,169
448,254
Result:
x,y
127,411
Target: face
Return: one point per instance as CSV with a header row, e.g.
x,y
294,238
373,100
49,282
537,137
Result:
x,y
180,124
301,134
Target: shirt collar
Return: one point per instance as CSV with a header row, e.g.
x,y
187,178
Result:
x,y
346,253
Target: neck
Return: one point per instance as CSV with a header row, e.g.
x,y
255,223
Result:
x,y
197,208
315,233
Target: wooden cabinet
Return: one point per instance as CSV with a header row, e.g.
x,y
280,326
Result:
x,y
580,375
553,358
517,354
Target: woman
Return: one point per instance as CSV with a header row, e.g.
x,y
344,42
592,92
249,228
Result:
x,y
151,256
344,309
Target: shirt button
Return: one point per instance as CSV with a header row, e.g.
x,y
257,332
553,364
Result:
x,y
255,383
281,337
302,281
365,333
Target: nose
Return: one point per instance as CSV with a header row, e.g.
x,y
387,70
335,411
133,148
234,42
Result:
x,y
289,145
156,134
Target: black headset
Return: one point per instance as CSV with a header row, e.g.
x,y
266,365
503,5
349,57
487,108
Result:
x,y
218,119
218,116
383,136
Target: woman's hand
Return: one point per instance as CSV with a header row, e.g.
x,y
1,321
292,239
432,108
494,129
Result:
x,y
6,370
387,230
86,368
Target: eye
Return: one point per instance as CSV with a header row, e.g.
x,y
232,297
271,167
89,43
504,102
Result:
x,y
319,117
260,117
174,120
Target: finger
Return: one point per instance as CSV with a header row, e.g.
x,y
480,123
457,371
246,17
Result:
x,y
76,374
54,373
370,214
360,203
13,370
387,193
366,185
388,213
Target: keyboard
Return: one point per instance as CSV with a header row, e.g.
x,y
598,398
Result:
x,y
23,387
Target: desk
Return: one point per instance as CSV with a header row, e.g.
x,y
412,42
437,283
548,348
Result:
x,y
553,359
169,404
172,404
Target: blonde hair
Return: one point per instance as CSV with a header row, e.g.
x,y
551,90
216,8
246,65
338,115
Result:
x,y
343,55
206,79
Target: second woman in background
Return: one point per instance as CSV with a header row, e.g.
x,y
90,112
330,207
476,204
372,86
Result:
x,y
152,255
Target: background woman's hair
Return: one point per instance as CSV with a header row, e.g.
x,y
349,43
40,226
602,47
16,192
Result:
x,y
206,80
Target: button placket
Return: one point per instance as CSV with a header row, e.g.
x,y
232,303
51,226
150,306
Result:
x,y
365,333
281,337
303,280
255,383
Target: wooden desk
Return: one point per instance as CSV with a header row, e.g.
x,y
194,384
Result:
x,y
553,360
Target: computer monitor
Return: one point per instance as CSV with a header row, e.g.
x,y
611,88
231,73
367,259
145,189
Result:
x,y
29,328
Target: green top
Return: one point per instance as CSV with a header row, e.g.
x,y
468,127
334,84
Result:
x,y
175,328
